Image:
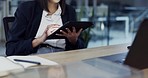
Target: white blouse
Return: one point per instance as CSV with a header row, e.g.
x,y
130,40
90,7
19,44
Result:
x,y
46,20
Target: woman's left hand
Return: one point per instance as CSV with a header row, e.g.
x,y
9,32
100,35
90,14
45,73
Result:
x,y
72,36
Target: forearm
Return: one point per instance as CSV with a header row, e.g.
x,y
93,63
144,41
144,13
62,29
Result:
x,y
36,42
23,47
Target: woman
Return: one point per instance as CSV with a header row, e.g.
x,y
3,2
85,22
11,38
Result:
x,y
34,21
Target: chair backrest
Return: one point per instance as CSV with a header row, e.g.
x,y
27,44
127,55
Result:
x,y
8,21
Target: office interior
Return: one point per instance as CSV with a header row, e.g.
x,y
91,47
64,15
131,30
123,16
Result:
x,y
115,21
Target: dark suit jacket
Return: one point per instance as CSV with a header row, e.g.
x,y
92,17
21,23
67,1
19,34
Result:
x,y
27,20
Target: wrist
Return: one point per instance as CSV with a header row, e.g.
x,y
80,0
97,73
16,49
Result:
x,y
73,42
36,42
39,40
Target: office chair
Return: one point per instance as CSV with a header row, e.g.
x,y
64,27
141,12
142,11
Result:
x,y
8,21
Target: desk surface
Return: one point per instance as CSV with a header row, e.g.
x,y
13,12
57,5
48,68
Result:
x,y
78,55
83,64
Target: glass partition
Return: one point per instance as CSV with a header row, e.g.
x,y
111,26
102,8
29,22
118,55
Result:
x,y
115,21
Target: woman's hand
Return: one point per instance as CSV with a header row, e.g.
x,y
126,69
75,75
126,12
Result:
x,y
44,36
40,39
52,28
49,30
72,36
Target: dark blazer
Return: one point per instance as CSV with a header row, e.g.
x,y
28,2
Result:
x,y
27,20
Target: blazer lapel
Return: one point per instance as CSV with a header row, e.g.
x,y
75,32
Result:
x,y
64,18
37,15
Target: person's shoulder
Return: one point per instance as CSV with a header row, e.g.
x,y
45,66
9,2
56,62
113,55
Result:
x,y
69,7
27,4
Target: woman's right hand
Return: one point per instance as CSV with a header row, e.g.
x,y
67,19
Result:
x,y
44,36
49,30
41,39
52,28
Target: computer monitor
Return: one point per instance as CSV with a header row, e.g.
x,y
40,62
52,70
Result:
x,y
137,56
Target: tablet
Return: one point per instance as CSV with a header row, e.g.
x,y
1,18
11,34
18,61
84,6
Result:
x,y
77,25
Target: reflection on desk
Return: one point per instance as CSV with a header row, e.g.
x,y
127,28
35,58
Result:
x,y
75,59
91,68
116,58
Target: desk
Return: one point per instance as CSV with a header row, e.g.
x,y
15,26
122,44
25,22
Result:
x,y
78,55
70,57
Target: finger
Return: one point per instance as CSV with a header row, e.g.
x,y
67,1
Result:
x,y
53,26
79,32
68,30
46,30
56,24
74,29
50,25
64,33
